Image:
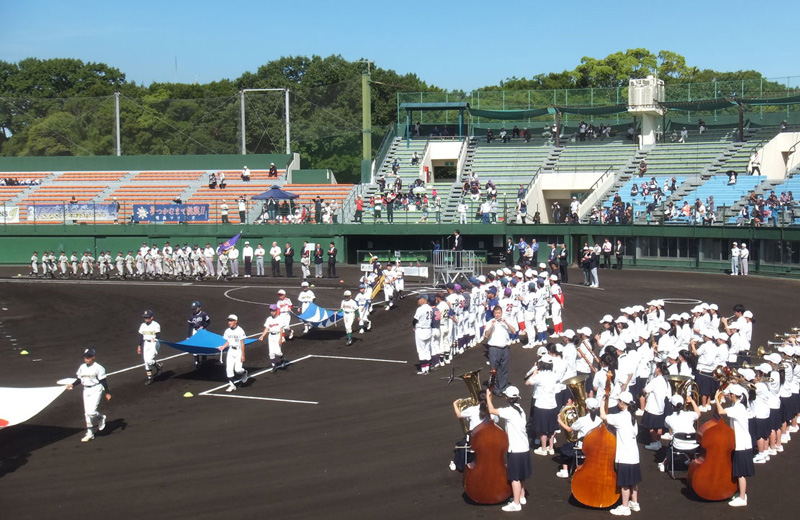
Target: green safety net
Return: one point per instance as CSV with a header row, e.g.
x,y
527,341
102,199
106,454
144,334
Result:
x,y
510,115
593,110
707,104
788,100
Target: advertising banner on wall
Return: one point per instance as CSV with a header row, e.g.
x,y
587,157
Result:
x,y
170,212
74,212
9,214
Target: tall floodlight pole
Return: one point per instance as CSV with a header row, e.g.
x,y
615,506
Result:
x,y
116,121
242,93
366,117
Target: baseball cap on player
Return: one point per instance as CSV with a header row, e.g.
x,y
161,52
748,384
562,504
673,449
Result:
x,y
348,293
273,307
147,314
89,352
304,284
281,292
195,304
233,317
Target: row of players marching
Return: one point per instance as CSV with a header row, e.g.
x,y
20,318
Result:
x,y
448,323
148,262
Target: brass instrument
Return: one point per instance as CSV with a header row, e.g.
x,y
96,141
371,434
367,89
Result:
x,y
472,380
761,351
571,412
684,386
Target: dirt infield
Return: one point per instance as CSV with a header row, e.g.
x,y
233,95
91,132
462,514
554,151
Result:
x,y
375,445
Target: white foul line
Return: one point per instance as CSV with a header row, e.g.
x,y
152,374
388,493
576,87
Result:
x,y
358,359
270,369
142,365
262,398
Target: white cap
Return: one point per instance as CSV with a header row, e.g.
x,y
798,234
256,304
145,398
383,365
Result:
x,y
709,332
554,277
569,333
506,270
511,391
747,373
482,279
674,317
665,326
704,306
233,317
281,292
586,331
626,397
559,348
735,390
529,273
764,368
592,403
722,335
541,351
517,268
622,319
246,243
547,358
652,303
676,400
660,303
714,307
773,358
673,354
348,293
685,316
747,314
519,274
542,265
304,284
744,245
606,319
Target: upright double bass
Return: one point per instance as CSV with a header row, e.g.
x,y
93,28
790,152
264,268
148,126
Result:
x,y
594,484
711,474
486,479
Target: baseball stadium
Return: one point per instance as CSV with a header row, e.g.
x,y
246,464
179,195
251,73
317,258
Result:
x,y
690,185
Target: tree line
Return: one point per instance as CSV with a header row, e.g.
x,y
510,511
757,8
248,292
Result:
x,y
61,107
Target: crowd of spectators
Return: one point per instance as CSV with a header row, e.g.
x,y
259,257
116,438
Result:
x,y
8,181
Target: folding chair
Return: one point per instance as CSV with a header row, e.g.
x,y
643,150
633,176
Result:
x,y
685,456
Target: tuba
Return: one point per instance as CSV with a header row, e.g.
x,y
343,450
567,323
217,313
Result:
x,y
684,386
571,412
472,380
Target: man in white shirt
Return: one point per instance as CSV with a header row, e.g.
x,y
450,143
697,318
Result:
x,y
259,254
498,332
735,259
744,259
208,256
275,254
233,258
247,255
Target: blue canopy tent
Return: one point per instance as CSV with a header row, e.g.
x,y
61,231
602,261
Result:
x,y
204,343
275,192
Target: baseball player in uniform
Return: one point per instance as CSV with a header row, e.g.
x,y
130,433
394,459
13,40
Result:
x,y
198,320
364,301
422,334
349,309
285,308
92,376
399,282
273,328
73,261
389,277
148,345
306,297
234,362
35,264
62,264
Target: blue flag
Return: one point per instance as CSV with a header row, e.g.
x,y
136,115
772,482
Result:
x,y
229,244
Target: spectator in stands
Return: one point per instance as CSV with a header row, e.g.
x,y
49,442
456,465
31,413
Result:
x,y
634,190
701,127
489,135
271,209
417,129
223,212
526,134
684,135
318,209
358,218
582,128
283,211
221,178
710,203
242,206
437,208
784,126
673,185
381,183
642,168
731,177
245,174
414,159
556,211
395,166
521,192
390,199
631,132
115,204
273,171
522,212
595,216
212,180
574,206
377,206
754,165
591,132
537,218
686,210
504,135
465,189
515,132
491,189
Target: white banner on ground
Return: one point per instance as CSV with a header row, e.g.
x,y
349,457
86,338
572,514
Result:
x,y
17,405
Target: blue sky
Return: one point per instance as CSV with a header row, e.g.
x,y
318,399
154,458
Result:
x,y
455,45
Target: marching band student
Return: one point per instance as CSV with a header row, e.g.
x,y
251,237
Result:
x,y
629,473
582,426
742,456
518,468
776,378
681,422
706,363
785,394
474,415
545,419
762,413
656,393
608,362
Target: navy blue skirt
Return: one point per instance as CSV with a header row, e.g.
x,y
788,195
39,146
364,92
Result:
x,y
742,464
519,466
705,384
762,428
628,475
786,409
545,420
775,419
652,422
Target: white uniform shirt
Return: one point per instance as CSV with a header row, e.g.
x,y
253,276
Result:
x,y
91,375
423,315
544,385
274,326
234,337
515,428
657,391
349,306
682,422
307,296
149,331
584,425
627,450
284,305
275,253
738,417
